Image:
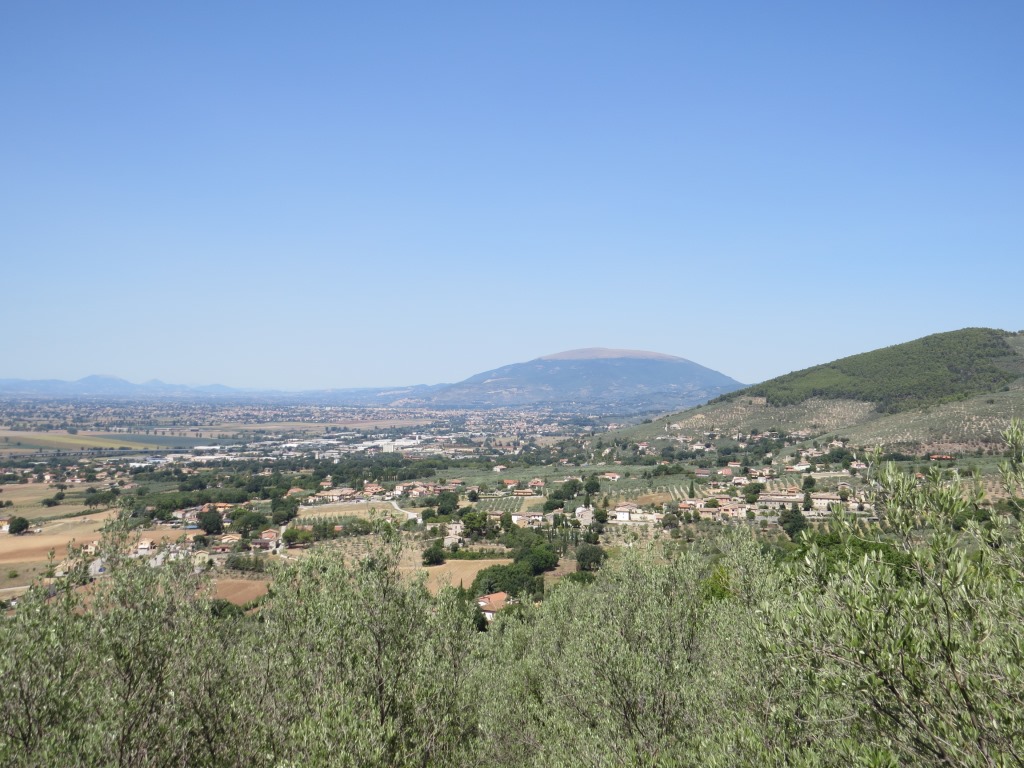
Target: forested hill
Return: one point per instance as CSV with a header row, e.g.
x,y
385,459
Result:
x,y
934,369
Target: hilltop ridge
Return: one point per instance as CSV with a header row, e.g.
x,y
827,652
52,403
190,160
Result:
x,y
947,392
932,369
603,353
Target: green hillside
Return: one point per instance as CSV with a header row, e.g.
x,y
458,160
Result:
x,y
935,369
946,392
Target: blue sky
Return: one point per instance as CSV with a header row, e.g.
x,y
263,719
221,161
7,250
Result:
x,y
305,195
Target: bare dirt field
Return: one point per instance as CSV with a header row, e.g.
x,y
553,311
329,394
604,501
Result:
x,y
453,572
240,591
56,535
29,553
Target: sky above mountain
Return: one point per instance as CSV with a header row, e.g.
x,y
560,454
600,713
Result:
x,y
355,194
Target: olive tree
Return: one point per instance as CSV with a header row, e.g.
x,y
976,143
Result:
x,y
921,656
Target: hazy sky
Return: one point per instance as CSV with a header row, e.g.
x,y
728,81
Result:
x,y
305,195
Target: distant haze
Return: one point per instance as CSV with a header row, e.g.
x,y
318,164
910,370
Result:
x,y
610,380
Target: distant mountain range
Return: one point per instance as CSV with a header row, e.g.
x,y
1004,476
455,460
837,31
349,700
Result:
x,y
106,386
613,380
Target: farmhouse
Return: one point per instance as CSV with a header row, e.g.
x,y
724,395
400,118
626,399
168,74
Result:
x,y
822,502
624,512
490,604
531,519
585,515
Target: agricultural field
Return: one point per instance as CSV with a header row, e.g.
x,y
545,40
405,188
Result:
x,y
270,427
185,439
503,504
550,474
969,425
13,442
817,415
364,510
28,501
452,573
28,554
240,591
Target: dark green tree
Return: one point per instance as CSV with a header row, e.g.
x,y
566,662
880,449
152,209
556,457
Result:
x,y
447,503
211,522
589,557
434,554
792,521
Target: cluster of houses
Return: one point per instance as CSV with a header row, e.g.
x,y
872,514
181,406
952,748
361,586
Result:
x,y
417,490
330,495
725,508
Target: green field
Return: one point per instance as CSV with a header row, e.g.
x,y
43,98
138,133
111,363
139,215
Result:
x,y
18,442
12,442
